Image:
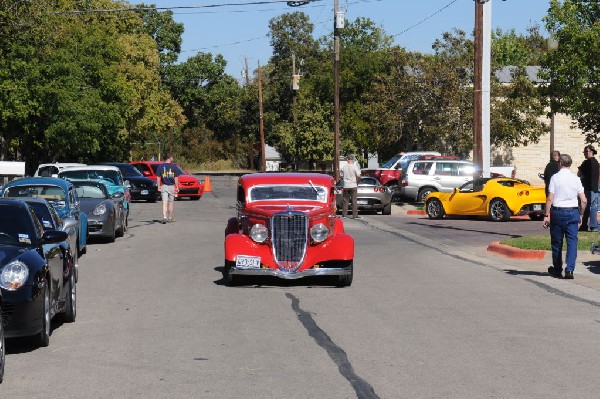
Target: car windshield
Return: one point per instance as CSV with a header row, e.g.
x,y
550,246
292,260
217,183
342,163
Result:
x,y
110,176
54,194
15,226
43,214
297,192
391,162
89,190
368,181
129,170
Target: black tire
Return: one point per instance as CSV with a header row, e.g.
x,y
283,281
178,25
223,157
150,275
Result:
x,y
231,280
387,210
2,350
120,232
424,192
346,281
71,302
499,211
538,217
435,209
43,337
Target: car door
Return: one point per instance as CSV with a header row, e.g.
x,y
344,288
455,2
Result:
x,y
55,259
81,217
470,199
447,176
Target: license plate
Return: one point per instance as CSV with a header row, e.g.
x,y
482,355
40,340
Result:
x,y
247,262
362,202
537,207
144,192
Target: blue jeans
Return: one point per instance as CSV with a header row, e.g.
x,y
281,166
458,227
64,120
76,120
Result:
x,y
594,202
564,223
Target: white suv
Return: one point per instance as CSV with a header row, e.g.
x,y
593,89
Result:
x,y
426,176
52,169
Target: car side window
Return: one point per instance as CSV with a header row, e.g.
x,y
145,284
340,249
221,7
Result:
x,y
446,169
422,168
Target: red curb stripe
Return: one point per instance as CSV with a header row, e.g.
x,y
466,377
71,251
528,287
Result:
x,y
516,253
416,212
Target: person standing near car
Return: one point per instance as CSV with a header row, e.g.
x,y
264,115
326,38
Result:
x,y
564,215
167,175
551,168
588,172
350,175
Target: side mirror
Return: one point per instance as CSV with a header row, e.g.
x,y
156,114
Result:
x,y
54,236
118,194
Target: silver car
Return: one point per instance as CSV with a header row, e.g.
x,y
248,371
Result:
x,y
426,176
371,195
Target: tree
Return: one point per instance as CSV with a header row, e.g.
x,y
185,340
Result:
x,y
573,84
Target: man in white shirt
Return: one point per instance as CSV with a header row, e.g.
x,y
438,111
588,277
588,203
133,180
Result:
x,y
564,215
351,176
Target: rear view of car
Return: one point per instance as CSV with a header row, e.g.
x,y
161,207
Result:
x,y
371,196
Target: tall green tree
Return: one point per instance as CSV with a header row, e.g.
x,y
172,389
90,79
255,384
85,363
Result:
x,y
573,80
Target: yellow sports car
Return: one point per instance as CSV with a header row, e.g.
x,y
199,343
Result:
x,y
499,198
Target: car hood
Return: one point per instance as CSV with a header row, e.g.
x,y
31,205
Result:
x,y
87,205
269,210
138,179
9,252
187,178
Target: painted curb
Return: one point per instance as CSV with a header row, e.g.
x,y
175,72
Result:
x,y
515,253
416,212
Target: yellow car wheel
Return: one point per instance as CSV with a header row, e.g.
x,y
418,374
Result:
x,y
435,209
499,211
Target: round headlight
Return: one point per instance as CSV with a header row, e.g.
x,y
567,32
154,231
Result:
x,y
100,210
259,232
14,275
319,232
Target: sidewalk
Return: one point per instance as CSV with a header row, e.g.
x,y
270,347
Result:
x,y
529,262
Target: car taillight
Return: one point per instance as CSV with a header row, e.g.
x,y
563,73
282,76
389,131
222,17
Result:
x,y
404,183
521,193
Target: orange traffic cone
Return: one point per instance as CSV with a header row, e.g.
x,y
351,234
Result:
x,y
207,188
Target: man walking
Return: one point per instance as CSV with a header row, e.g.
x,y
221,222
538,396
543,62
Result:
x,y
588,172
168,184
564,216
351,176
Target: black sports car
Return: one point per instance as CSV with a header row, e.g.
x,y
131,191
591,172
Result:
x,y
37,276
140,187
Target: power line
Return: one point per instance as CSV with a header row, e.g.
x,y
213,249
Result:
x,y
134,9
425,19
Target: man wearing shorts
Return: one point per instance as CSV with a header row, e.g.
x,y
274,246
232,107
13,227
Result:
x,y
168,184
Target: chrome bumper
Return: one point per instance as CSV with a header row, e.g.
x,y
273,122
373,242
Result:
x,y
342,271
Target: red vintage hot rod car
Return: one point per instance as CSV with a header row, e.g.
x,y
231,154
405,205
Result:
x,y
287,227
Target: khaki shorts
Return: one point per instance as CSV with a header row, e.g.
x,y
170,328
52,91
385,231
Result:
x,y
168,193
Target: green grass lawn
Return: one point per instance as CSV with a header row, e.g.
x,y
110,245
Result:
x,y
542,241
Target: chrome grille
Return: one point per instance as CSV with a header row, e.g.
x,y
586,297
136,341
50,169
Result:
x,y
289,236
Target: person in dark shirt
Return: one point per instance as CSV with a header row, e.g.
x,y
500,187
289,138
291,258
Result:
x,y
588,173
167,175
551,168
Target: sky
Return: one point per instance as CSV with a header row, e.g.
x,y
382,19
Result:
x,y
238,29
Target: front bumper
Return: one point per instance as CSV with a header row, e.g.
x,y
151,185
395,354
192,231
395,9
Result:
x,y
144,194
22,315
101,227
326,271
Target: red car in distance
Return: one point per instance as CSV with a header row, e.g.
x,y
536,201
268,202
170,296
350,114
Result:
x,y
189,185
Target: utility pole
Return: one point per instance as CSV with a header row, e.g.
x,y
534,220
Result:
x,y
336,89
481,95
261,126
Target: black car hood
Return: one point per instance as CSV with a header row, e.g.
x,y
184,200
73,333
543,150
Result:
x,y
9,252
87,205
138,179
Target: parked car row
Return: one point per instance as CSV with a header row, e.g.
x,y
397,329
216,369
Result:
x,y
45,224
